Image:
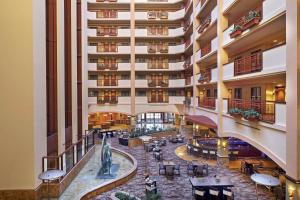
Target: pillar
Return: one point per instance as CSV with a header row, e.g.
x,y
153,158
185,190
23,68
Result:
x,y
223,153
293,100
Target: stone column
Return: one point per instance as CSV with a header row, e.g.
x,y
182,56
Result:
x,y
223,153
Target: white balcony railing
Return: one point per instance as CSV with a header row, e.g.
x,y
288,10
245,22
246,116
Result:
x,y
171,49
120,16
121,67
176,83
270,8
176,99
118,1
124,100
227,4
142,83
273,61
92,100
171,33
120,50
179,14
121,32
172,66
92,83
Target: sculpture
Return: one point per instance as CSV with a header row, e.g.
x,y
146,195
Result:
x,y
106,157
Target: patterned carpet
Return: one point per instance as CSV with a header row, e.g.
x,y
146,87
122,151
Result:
x,y
179,187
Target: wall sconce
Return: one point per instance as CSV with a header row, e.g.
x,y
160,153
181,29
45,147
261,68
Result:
x,y
219,142
224,143
291,191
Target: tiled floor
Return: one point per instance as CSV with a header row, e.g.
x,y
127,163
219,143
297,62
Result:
x,y
179,187
86,179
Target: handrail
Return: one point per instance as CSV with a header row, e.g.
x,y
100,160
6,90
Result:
x,y
206,49
207,102
248,64
60,161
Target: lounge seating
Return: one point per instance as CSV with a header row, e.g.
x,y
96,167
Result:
x,y
177,169
205,154
198,171
169,170
162,169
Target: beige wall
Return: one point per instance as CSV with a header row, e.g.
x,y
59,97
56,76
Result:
x,y
22,116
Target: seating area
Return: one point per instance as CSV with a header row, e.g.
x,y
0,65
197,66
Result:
x,y
172,174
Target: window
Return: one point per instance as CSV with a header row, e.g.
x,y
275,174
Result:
x,y
125,93
238,93
208,94
255,93
141,93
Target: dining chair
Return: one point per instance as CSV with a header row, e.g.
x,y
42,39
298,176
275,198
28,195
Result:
x,y
161,169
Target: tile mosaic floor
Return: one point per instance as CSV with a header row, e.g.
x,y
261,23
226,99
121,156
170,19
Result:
x,y
179,187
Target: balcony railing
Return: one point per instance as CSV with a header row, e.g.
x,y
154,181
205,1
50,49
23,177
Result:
x,y
71,156
158,65
265,108
248,64
107,31
154,48
187,63
205,76
107,14
204,24
188,80
158,82
107,99
107,82
107,47
207,102
106,1
206,49
158,99
107,65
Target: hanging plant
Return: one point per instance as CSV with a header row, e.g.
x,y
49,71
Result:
x,y
251,115
236,112
236,31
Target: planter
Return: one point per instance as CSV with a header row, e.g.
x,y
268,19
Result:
x,y
236,33
252,119
113,196
254,21
236,115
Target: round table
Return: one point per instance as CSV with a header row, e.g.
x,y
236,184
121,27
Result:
x,y
264,179
51,175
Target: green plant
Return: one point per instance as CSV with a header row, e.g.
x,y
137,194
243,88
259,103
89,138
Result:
x,y
236,27
251,114
235,111
152,196
251,15
123,196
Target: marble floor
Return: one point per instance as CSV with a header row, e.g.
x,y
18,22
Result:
x,y
86,179
179,187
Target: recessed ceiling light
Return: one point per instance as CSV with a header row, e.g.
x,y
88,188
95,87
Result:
x,y
275,41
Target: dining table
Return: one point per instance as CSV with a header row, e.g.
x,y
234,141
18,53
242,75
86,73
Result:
x,y
211,182
264,179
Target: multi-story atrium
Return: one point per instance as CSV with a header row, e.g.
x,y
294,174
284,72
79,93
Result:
x,y
150,99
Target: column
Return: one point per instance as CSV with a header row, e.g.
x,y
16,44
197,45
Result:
x,y
222,58
132,55
293,100
222,153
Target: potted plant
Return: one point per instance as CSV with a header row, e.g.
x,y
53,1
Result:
x,y
120,195
236,112
251,19
251,115
236,31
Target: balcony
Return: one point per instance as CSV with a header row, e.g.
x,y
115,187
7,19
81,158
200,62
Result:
x,y
107,100
156,1
101,67
176,83
207,50
207,76
108,33
160,15
158,99
166,66
257,64
266,109
155,64
141,83
116,15
269,9
169,33
227,4
176,100
110,50
207,102
158,82
109,1
113,83
159,49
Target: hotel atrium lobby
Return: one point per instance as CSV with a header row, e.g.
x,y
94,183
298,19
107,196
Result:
x,y
150,100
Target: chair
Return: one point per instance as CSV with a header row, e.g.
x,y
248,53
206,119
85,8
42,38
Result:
x,y
190,169
205,154
161,169
214,193
227,194
170,170
199,194
212,154
198,170
177,169
189,149
158,156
